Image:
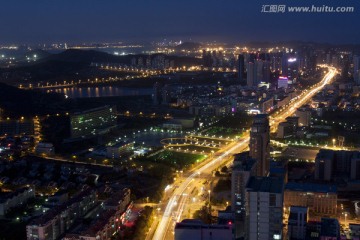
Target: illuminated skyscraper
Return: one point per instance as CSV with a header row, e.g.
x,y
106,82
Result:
x,y
241,67
260,144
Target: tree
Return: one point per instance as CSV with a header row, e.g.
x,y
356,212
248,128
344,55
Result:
x,y
203,214
224,169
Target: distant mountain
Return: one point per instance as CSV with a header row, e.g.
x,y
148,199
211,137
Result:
x,y
74,64
19,102
86,56
39,53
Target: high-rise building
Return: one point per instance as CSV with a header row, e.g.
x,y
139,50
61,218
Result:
x,y
166,94
298,218
290,67
156,96
266,72
250,78
330,228
243,167
355,166
260,144
285,130
258,71
324,164
264,208
357,69
294,122
284,64
304,116
283,82
241,67
345,65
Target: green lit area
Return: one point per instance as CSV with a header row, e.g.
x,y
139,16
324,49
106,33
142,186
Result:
x,y
177,159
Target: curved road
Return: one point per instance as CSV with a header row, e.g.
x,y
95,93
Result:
x,y
177,200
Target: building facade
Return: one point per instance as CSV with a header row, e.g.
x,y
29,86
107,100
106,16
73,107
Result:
x,y
264,208
298,218
243,167
59,219
92,122
260,143
15,199
319,198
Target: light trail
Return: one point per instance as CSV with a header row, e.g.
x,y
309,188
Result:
x,y
162,228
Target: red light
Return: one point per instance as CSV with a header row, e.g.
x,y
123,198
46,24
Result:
x,y
229,223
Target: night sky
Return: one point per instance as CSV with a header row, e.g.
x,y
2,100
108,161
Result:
x,y
74,21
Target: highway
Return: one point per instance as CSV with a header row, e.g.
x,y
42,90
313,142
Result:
x,y
176,202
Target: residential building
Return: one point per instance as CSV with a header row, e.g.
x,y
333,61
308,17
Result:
x,y
260,143
297,220
17,127
304,117
9,200
243,167
241,68
45,148
355,166
264,208
324,164
330,229
59,219
319,198
285,130
115,211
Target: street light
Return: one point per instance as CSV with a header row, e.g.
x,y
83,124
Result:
x,y
345,218
209,191
334,141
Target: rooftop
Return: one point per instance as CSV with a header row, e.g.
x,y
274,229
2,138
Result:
x,y
117,197
311,187
265,184
243,162
198,224
54,212
7,195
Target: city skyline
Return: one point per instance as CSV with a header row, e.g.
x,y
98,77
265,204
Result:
x,y
179,120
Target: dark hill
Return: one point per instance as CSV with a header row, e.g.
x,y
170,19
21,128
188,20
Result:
x,y
87,56
19,102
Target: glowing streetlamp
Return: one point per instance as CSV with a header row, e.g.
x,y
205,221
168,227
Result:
x,y
209,191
